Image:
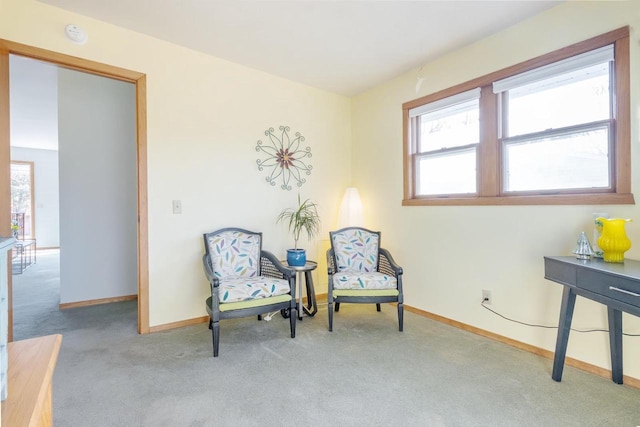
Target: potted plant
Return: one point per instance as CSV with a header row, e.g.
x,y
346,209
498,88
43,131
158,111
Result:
x,y
304,217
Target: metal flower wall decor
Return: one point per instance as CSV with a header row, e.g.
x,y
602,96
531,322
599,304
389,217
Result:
x,y
285,158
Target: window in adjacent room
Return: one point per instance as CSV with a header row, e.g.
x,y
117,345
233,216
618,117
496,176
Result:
x,y
553,130
22,213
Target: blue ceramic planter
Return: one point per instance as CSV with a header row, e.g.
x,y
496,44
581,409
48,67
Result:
x,y
296,257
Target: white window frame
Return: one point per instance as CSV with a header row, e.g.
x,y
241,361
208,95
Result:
x,y
445,103
502,87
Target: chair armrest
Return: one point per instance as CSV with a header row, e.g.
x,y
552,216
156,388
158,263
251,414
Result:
x,y
387,264
331,268
271,266
208,271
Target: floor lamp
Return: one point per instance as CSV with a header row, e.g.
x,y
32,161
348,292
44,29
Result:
x,y
350,209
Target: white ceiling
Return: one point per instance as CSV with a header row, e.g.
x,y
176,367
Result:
x,y
345,47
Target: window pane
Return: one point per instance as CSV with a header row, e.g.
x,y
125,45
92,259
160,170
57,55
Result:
x,y
21,195
564,162
450,173
454,126
581,96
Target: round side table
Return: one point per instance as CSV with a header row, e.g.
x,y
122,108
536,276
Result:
x,y
304,272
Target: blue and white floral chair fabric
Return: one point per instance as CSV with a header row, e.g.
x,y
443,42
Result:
x,y
360,271
245,280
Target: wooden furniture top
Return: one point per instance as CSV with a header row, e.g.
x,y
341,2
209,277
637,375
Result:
x,y
31,366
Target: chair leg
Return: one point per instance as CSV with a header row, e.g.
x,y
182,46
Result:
x,y
377,306
330,311
337,306
292,322
216,338
400,316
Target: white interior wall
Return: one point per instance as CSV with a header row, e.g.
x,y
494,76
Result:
x,y
98,187
33,92
451,253
47,210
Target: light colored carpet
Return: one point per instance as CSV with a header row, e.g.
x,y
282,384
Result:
x,y
365,373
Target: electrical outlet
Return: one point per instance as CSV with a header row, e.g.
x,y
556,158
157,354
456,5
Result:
x,y
486,296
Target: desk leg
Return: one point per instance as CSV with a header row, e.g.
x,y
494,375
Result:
x,y
564,327
312,308
615,342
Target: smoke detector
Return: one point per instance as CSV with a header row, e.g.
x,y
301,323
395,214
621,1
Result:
x,y
76,34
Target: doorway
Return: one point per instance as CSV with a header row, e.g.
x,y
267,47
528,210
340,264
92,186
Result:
x,y
139,80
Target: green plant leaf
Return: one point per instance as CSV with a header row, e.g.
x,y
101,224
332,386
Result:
x,y
304,217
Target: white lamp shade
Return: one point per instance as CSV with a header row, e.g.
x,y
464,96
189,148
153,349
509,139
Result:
x,y
350,209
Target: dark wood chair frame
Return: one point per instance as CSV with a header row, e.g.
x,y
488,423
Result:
x,y
386,265
270,266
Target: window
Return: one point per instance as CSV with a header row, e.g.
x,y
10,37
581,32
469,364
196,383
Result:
x,y
557,125
22,217
447,137
553,130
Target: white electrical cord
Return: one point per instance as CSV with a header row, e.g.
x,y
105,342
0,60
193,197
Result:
x,y
269,316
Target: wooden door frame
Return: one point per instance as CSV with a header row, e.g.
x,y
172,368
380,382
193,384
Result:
x,y
104,70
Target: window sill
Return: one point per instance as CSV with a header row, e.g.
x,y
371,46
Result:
x,y
558,199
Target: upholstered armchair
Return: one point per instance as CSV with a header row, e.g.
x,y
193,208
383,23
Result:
x,y
360,271
245,280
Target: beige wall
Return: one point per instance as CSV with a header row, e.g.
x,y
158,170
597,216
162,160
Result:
x,y
205,116
450,254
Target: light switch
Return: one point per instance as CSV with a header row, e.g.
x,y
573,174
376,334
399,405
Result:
x,y
177,206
